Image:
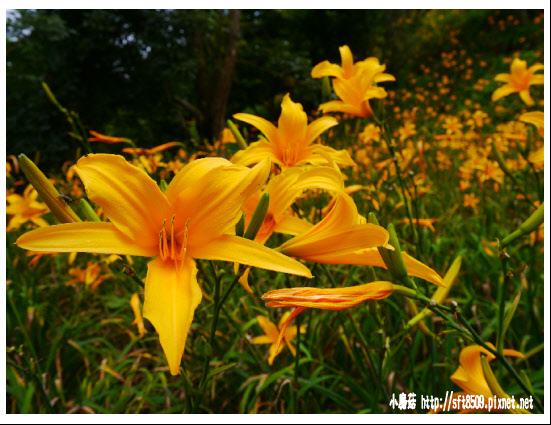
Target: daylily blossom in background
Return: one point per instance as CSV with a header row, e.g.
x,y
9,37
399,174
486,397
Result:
x,y
98,137
470,376
291,143
90,276
25,208
354,83
156,149
519,81
192,220
272,335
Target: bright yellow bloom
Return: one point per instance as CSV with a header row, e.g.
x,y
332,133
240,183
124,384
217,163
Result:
x,y
407,130
290,143
272,335
452,125
191,220
354,83
324,299
470,376
519,81
490,171
138,320
25,208
370,132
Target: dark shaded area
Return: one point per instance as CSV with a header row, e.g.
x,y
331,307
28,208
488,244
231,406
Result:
x,y
157,76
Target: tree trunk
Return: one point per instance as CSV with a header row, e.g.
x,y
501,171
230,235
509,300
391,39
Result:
x,y
223,84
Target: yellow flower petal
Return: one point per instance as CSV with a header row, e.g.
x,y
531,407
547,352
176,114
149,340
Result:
x,y
171,298
347,61
291,225
326,68
268,327
244,251
128,196
213,202
317,127
100,238
263,339
256,152
526,98
503,91
292,123
266,127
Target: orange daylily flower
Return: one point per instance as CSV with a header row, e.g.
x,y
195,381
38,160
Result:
x,y
427,222
90,276
407,130
470,200
98,137
470,375
151,151
25,208
452,126
290,143
324,299
192,219
272,335
519,81
354,83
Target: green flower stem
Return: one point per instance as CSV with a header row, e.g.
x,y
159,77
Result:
x,y
501,301
218,303
381,121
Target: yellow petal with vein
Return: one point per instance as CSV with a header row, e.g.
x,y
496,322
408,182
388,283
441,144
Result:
x,y
317,127
256,152
291,225
292,122
266,127
100,238
268,327
240,250
326,68
213,203
171,298
129,197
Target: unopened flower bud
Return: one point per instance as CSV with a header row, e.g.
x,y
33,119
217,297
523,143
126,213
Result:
x,y
47,191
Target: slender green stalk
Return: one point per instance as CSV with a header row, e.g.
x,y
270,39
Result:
x,y
218,304
297,357
501,301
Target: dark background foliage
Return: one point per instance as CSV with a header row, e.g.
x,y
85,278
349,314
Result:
x,y
155,75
